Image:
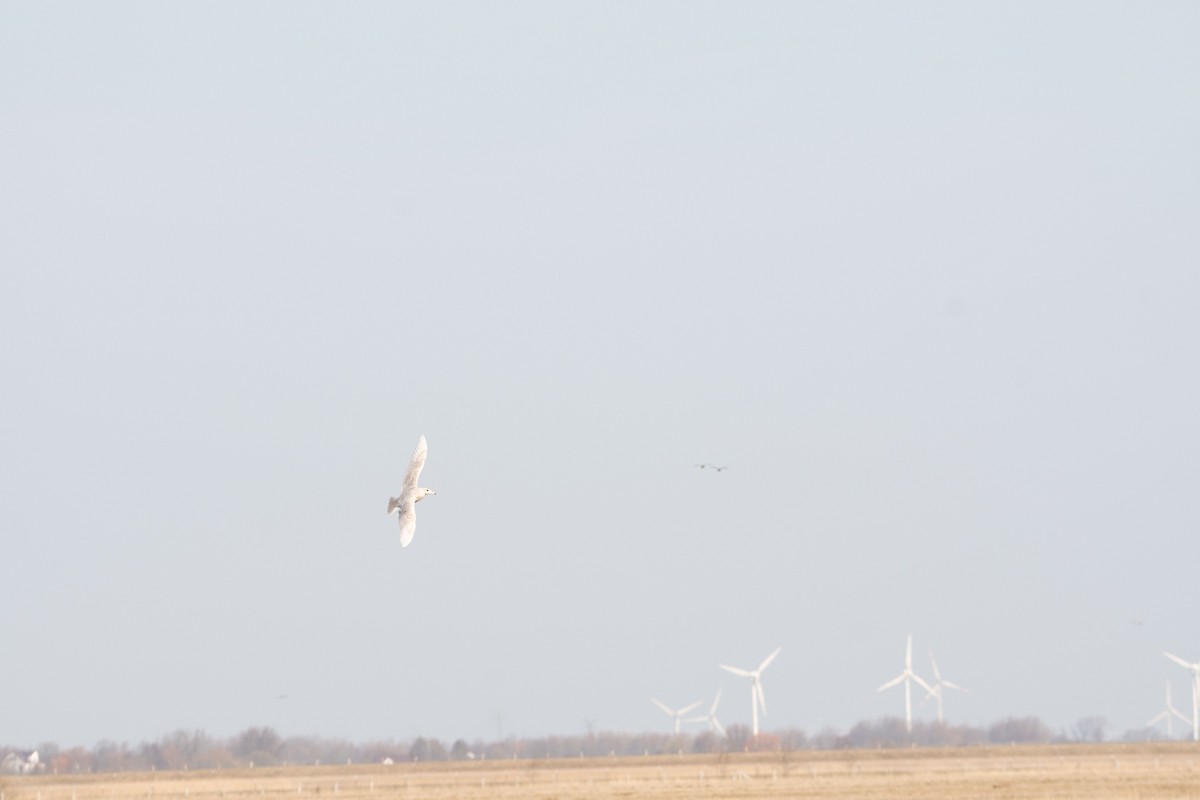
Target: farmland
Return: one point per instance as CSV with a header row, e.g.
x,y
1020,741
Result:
x,y
1161,770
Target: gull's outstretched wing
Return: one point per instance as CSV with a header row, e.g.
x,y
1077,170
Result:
x,y
414,467
408,522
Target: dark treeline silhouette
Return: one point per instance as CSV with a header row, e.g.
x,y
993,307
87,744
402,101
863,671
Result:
x,y
262,747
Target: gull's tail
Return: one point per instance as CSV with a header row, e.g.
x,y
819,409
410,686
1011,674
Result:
x,y
393,504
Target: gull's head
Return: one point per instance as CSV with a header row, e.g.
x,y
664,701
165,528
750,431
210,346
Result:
x,y
422,494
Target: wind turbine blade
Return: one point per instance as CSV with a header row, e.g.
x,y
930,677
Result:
x,y
768,659
936,674
696,719
922,683
1180,661
666,710
955,686
908,653
686,709
716,701
717,724
1179,716
762,698
745,673
891,683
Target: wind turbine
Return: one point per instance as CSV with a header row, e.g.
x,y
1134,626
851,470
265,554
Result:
x,y
908,676
678,715
757,699
711,717
1168,713
1195,670
938,683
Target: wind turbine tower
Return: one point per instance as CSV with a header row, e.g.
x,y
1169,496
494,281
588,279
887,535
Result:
x,y
938,683
711,717
908,676
1195,670
1169,713
757,699
678,715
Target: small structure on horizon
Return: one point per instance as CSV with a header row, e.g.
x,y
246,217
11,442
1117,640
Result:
x,y
15,763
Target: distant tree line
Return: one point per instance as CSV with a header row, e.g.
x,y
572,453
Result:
x,y
262,747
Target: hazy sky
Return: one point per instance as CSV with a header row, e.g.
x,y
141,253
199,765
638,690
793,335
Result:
x,y
923,275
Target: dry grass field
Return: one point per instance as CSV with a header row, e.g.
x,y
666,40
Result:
x,y
1093,772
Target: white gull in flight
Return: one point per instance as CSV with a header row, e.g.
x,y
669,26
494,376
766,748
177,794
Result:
x,y
410,494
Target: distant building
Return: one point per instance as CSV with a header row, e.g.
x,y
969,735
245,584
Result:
x,y
15,763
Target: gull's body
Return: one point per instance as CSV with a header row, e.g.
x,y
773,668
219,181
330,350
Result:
x,y
410,494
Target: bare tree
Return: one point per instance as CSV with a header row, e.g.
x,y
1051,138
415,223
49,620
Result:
x,y
259,745
1089,729
1019,729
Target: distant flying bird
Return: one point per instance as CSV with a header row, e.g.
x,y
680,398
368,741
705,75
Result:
x,y
410,494
712,466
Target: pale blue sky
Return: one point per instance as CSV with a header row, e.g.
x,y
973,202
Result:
x,y
923,275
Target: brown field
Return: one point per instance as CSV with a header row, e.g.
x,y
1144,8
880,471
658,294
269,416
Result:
x,y
1087,772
